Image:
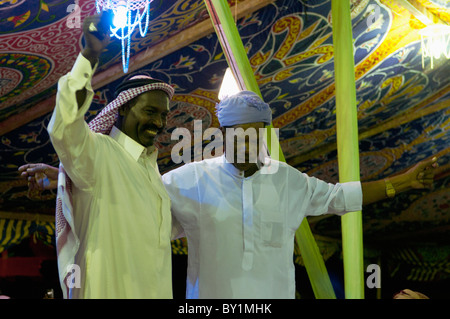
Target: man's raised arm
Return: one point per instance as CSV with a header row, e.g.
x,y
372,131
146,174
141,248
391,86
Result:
x,y
73,141
96,35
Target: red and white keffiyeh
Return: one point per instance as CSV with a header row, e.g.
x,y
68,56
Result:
x,y
67,242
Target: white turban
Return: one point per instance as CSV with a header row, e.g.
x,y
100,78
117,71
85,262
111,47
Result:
x,y
242,108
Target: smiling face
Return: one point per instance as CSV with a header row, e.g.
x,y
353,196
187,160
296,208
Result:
x,y
145,117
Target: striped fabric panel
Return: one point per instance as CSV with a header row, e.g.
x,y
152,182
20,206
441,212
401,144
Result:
x,y
418,269
13,231
179,246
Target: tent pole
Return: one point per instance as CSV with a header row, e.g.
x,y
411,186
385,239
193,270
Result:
x,y
235,53
347,144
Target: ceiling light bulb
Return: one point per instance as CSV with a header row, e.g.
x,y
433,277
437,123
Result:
x,y
120,17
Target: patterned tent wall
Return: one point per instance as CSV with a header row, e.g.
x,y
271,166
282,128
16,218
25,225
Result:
x,y
14,229
421,263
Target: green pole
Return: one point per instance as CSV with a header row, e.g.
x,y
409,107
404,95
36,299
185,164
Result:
x,y
347,144
235,53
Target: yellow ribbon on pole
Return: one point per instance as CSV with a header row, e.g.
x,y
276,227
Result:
x,y
347,144
235,53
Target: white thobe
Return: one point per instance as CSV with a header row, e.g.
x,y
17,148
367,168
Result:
x,y
121,208
240,231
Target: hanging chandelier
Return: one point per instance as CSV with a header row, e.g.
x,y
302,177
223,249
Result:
x,y
128,14
435,42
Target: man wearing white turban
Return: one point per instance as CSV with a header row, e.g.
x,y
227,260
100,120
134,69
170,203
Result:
x,y
113,221
240,218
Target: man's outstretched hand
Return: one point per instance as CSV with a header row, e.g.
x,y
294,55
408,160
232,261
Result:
x,y
40,176
422,174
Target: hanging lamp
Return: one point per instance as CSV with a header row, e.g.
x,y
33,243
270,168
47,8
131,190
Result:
x,y
128,14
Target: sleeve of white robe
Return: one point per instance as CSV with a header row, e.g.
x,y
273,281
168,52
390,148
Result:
x,y
71,137
182,186
310,196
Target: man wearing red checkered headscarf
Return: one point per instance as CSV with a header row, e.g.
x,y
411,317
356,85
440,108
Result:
x,y
113,220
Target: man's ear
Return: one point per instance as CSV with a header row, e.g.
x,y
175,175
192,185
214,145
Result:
x,y
123,110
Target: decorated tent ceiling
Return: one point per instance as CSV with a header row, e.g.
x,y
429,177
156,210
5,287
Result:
x,y
403,106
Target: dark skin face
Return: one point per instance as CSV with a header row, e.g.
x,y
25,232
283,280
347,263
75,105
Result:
x,y
247,166
144,117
